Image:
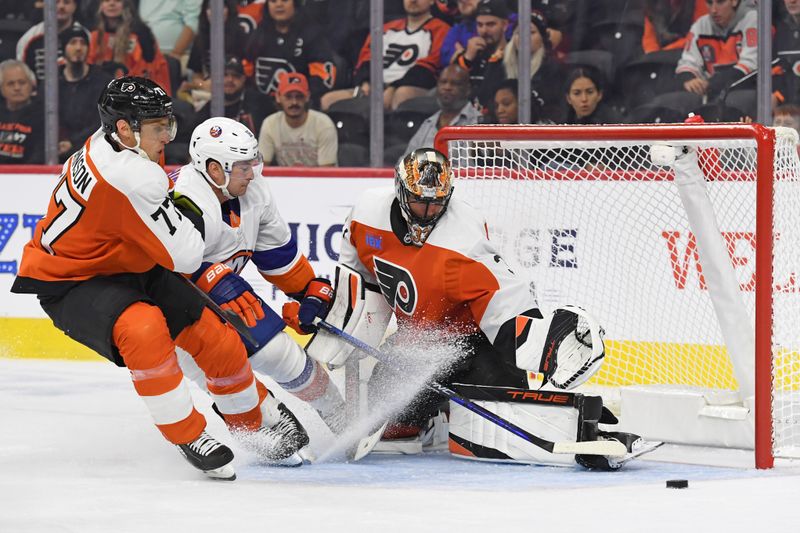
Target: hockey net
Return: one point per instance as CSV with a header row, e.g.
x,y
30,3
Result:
x,y
591,220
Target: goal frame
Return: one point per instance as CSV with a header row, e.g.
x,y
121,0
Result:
x,y
765,142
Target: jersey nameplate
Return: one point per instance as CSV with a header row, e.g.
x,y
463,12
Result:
x,y
82,179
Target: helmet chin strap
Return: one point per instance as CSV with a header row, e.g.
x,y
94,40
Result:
x,y
224,187
136,148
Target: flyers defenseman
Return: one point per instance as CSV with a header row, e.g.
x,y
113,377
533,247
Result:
x,y
424,255
223,185
101,263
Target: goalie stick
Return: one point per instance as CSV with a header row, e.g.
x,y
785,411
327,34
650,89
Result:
x,y
609,447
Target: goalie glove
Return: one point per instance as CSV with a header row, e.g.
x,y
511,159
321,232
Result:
x,y
315,301
231,292
566,346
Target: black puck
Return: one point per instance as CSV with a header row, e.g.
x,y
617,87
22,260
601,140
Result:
x,y
677,484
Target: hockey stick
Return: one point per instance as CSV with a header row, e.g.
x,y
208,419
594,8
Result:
x,y
227,316
597,447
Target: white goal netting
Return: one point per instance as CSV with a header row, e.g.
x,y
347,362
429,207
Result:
x,y
593,222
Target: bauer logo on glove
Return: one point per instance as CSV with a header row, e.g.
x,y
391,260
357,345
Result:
x,y
231,292
314,303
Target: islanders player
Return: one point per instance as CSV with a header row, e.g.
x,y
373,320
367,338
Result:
x,y
241,223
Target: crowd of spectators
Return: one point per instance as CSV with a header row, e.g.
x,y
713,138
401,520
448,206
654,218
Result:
x,y
297,71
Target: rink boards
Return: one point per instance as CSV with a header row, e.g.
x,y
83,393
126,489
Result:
x,y
315,203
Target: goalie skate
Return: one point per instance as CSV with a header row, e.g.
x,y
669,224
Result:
x,y
635,445
210,456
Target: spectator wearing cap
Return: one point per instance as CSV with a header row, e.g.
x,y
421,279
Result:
x,y
455,109
21,116
410,58
30,47
547,73
242,103
79,87
485,50
297,135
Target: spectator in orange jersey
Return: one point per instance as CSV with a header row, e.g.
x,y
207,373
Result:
x,y
121,37
106,264
666,23
21,118
411,48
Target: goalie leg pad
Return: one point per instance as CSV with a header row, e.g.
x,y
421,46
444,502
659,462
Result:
x,y
474,437
356,310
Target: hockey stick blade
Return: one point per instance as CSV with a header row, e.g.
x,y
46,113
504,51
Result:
x,y
567,447
368,443
226,315
593,447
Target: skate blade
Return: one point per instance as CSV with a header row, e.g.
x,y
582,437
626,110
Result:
x,y
366,445
293,461
223,473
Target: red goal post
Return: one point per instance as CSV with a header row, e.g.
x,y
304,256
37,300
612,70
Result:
x,y
594,195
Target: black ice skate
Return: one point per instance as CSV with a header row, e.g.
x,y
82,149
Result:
x,y
279,442
210,456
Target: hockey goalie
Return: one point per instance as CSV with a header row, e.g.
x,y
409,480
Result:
x,y
424,256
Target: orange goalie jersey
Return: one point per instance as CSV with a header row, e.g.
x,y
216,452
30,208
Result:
x,y
456,281
109,214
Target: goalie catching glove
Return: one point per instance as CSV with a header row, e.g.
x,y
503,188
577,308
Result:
x,y
314,302
566,346
230,291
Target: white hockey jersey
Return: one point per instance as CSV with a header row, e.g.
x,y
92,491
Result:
x,y
456,281
247,227
109,214
709,46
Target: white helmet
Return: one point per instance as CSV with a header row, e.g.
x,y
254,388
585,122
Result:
x,y
225,141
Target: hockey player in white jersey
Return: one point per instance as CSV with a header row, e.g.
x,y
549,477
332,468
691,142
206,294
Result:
x,y
241,223
422,254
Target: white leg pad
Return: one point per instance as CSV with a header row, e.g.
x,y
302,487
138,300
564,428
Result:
x,y
487,441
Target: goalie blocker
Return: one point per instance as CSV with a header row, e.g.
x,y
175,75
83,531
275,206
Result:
x,y
553,415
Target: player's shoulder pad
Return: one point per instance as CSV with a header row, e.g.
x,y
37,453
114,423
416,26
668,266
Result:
x,y
373,205
185,204
462,228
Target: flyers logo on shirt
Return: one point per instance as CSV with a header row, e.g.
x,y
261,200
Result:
x,y
397,286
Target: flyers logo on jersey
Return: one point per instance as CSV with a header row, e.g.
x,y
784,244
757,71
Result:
x,y
397,286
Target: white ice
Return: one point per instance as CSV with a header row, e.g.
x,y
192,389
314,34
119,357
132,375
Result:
x,y
78,453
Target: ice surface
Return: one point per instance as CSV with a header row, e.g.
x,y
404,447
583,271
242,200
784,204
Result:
x,y
78,453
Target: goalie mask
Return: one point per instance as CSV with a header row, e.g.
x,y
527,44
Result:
x,y
423,186
229,143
